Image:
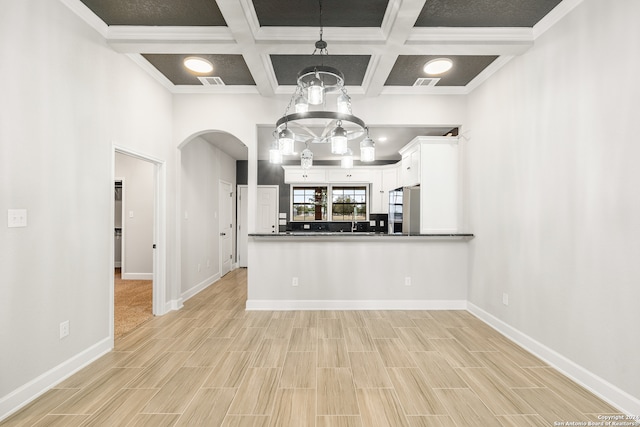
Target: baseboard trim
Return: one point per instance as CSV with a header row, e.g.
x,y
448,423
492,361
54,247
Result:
x,y
598,386
173,305
137,276
284,305
22,396
200,287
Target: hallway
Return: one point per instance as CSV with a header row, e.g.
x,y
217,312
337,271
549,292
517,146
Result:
x,y
214,364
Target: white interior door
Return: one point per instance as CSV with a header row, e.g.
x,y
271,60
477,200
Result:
x,y
267,209
243,229
226,227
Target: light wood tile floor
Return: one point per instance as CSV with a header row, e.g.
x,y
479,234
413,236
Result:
x,y
215,364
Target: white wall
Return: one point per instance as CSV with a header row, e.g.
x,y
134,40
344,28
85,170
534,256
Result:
x,y
138,177
203,165
356,273
554,201
59,117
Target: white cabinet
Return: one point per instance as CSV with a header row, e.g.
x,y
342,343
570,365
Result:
x,y
376,194
432,163
390,177
383,180
340,175
439,185
410,164
295,175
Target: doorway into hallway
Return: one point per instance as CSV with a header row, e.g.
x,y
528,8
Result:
x,y
137,283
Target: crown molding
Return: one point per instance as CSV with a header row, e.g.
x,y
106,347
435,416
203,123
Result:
x,y
557,13
423,35
168,34
87,16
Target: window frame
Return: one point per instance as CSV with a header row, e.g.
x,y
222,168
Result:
x,y
329,188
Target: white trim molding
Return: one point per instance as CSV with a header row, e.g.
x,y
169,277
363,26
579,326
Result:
x,y
137,276
38,386
596,385
200,287
284,305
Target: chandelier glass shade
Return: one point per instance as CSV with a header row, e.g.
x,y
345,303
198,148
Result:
x,y
320,112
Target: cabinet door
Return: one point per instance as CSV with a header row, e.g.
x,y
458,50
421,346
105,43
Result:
x,y
349,175
390,178
439,187
297,175
411,168
377,198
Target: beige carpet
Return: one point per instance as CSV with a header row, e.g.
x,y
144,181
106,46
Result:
x,y
132,303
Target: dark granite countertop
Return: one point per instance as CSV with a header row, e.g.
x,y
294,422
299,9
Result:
x,y
364,235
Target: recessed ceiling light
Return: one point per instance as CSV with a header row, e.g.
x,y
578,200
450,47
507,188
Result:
x,y
438,66
198,65
382,138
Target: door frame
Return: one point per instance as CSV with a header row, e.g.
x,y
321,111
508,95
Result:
x,y
221,240
241,208
159,232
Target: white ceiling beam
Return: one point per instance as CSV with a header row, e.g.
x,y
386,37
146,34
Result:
x,y
400,20
237,15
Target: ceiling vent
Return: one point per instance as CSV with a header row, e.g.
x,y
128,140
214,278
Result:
x,y
426,81
211,81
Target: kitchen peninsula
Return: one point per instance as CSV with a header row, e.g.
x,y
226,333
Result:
x,y
316,269
357,271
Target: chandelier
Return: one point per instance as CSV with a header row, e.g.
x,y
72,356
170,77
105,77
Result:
x,y
311,117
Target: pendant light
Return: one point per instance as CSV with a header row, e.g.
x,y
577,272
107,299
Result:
x,y
344,103
275,155
315,91
346,162
367,149
339,140
314,115
306,158
286,140
301,104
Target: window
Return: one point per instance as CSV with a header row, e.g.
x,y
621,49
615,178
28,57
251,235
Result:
x,y
309,203
349,203
338,203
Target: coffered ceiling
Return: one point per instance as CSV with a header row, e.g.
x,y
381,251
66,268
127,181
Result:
x,y
380,45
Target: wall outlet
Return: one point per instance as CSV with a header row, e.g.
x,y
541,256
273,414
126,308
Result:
x,y
505,299
16,218
199,268
64,329
208,263
294,281
407,281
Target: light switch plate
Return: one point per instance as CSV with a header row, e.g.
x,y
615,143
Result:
x,y
16,218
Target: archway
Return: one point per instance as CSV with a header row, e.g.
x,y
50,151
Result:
x,y
207,208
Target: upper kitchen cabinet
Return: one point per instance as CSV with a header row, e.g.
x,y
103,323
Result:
x,y
439,186
432,163
339,175
296,175
383,180
410,164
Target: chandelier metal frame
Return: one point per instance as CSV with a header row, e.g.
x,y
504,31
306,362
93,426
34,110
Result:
x,y
312,85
